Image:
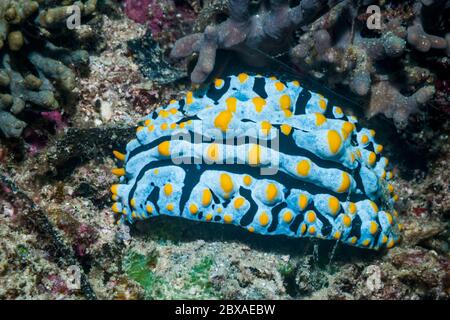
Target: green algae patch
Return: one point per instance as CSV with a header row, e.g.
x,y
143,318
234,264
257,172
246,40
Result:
x,y
139,267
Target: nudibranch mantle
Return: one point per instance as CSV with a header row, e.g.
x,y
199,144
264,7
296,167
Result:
x,y
330,180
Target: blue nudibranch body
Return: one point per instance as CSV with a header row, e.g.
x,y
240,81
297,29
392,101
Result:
x,y
263,154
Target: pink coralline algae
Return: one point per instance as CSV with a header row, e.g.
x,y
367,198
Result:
x,y
137,10
166,19
55,117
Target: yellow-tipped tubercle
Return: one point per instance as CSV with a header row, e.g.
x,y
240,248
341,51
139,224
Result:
x,y
118,171
119,156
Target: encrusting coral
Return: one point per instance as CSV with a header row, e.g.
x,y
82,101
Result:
x,y
339,47
35,65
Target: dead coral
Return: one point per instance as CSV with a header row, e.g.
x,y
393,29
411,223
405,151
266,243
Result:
x,y
35,66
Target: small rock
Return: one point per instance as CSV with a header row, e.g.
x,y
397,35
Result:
x,y
106,111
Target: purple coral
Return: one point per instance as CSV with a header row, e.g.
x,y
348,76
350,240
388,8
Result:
x,y
337,47
137,10
269,30
418,37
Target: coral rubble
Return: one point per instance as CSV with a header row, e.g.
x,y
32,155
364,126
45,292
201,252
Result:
x,y
37,57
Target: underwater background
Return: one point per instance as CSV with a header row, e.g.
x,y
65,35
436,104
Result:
x,y
78,77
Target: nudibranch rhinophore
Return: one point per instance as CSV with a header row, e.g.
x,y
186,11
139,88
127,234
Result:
x,y
264,154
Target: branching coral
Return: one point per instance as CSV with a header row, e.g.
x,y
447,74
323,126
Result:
x,y
338,47
266,31
35,65
425,11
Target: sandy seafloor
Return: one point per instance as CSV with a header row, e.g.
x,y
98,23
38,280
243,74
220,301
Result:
x,y
167,258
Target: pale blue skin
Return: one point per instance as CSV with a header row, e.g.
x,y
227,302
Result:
x,y
307,134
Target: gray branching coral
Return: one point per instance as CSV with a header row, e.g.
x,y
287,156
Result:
x,y
266,31
35,71
338,47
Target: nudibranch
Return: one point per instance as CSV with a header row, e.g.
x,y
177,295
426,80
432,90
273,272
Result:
x,y
267,155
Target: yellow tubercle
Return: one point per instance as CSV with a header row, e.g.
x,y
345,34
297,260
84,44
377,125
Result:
x,y
285,102
115,207
239,202
213,152
206,197
168,189
303,168
115,189
189,97
193,209
320,119
345,183
264,219
279,86
254,155
242,77
228,218
231,103
119,156
226,182
311,216
287,216
265,127
286,129
118,172
271,192
164,148
223,120
346,220
334,141
323,104
302,201
259,103
333,205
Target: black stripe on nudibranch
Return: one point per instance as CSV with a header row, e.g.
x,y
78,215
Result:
x,y
248,217
302,100
216,94
296,223
153,197
275,213
259,87
327,227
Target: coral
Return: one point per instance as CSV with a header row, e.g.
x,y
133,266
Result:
x,y
338,47
389,101
268,31
36,67
322,175
424,12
